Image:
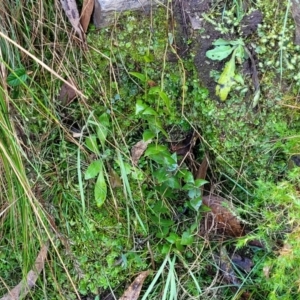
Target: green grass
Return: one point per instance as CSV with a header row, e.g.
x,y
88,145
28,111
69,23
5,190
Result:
x,y
143,216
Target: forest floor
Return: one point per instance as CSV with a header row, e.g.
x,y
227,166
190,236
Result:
x,y
171,154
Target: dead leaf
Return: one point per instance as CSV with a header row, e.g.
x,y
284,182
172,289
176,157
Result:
x,y
138,149
226,267
202,170
71,10
151,83
24,286
222,217
133,291
184,147
67,94
87,10
266,271
114,179
244,263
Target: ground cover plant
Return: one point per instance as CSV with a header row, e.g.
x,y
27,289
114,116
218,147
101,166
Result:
x,y
153,149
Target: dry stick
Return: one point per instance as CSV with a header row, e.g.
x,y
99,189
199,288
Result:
x,y
42,64
22,289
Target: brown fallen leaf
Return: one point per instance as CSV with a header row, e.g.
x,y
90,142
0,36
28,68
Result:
x,y
114,179
244,263
133,291
67,94
87,10
222,217
226,267
71,10
22,289
138,149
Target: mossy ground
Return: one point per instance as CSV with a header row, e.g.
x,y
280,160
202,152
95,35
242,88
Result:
x,y
141,223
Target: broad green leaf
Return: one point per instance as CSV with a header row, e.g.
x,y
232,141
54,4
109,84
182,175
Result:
x,y
91,143
156,149
149,111
187,176
239,79
173,183
100,191
226,79
155,125
221,42
161,175
172,238
200,182
186,238
194,193
138,75
102,128
17,77
166,99
219,52
160,154
140,106
148,135
196,203
93,169
154,90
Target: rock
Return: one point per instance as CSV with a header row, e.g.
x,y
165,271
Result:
x,y
105,10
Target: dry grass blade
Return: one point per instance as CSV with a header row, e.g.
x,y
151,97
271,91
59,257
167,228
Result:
x,y
223,218
133,291
5,37
23,287
87,10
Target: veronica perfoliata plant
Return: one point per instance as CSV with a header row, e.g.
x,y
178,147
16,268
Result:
x,y
228,77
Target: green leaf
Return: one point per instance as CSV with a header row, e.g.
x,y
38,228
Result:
x,y
240,54
187,176
187,238
226,79
200,182
91,143
140,106
196,203
149,111
102,128
239,79
138,75
93,169
220,42
172,238
194,193
100,191
156,149
17,77
148,135
173,183
219,52
166,99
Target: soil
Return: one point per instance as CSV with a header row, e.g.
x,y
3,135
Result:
x,y
191,14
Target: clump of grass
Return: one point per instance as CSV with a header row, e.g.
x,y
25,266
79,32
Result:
x,y
149,221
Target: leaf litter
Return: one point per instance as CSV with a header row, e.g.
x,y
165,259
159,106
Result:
x,y
133,291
